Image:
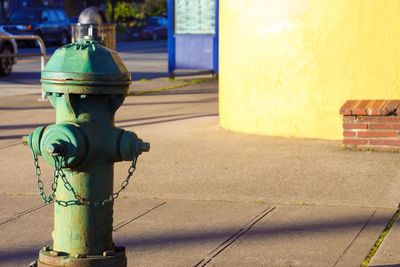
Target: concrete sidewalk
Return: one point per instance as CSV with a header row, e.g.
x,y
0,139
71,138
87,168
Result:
x,y
204,196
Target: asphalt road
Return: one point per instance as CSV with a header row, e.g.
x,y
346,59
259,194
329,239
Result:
x,y
146,60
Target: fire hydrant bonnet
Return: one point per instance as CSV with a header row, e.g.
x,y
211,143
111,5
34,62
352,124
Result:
x,y
85,67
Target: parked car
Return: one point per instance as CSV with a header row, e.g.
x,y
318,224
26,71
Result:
x,y
51,24
153,28
7,47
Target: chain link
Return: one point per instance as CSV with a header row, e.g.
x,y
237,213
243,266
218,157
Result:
x,y
59,173
46,198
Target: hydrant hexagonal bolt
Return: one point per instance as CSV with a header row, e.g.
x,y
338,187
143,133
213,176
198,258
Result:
x,y
86,83
55,149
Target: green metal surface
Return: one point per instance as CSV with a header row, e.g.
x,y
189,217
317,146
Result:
x,y
66,141
34,140
85,67
50,258
86,84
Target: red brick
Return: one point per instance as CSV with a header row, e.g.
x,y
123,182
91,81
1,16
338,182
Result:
x,y
390,107
375,107
349,134
385,142
355,141
378,134
347,107
361,107
355,125
384,126
349,118
378,118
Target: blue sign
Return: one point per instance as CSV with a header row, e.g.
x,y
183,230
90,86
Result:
x,y
193,35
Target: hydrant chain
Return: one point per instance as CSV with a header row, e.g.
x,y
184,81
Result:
x,y
58,173
46,198
83,201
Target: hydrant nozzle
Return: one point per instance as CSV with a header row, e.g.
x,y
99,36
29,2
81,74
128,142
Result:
x,y
144,147
25,139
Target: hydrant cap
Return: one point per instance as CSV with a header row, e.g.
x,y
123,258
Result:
x,y
85,67
92,15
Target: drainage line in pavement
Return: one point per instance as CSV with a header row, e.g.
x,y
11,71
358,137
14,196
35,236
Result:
x,y
11,144
355,238
23,213
380,239
233,238
122,224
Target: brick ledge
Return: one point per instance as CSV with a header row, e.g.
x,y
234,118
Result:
x,y
371,125
378,107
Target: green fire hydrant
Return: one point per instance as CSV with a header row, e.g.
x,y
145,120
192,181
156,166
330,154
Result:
x,y
86,83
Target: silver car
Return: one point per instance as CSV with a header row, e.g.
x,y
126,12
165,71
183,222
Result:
x,y
7,46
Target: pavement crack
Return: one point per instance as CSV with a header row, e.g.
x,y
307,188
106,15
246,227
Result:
x,y
355,238
22,213
11,144
230,240
124,223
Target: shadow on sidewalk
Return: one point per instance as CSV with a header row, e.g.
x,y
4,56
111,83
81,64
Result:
x,y
21,126
11,137
207,100
152,117
172,118
137,76
25,108
23,77
184,91
261,232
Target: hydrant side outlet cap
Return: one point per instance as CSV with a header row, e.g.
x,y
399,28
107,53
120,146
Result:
x,y
85,68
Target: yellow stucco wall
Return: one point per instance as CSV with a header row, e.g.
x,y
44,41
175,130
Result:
x,y
287,66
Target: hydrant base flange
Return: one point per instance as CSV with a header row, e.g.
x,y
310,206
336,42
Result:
x,y
58,259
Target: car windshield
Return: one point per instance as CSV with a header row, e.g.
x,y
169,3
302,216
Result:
x,y
26,15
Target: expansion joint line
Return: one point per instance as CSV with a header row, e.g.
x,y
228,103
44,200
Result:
x,y
380,239
233,238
